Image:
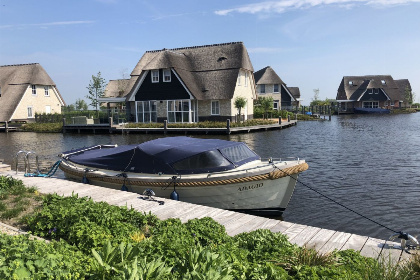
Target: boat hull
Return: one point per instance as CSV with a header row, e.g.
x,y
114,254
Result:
x,y
371,111
257,192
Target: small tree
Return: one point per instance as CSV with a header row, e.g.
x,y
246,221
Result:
x,y
240,103
96,90
80,105
266,104
408,96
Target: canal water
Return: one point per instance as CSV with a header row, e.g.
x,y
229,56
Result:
x,y
367,163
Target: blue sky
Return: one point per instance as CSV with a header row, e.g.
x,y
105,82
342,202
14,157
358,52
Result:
x,y
311,44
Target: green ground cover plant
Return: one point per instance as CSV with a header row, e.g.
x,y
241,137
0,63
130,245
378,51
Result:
x,y
43,127
91,240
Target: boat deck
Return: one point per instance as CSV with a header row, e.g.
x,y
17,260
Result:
x,y
323,240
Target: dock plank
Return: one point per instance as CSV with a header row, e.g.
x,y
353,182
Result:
x,y
372,248
355,242
281,227
321,238
305,236
337,241
294,230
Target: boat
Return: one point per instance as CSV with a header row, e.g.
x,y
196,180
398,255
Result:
x,y
359,110
211,172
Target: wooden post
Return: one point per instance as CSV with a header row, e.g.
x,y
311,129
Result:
x,y
288,118
280,120
110,125
6,125
329,113
228,126
64,125
165,126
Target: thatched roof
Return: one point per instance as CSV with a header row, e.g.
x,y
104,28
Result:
x,y
14,80
118,88
267,76
295,91
209,72
353,87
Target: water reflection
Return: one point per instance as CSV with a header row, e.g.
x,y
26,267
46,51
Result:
x,y
369,163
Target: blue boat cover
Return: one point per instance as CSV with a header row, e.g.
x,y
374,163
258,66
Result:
x,y
170,155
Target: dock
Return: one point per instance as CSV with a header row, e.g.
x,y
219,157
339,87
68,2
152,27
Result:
x,y
121,129
322,240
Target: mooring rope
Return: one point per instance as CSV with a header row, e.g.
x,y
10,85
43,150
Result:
x,y
338,203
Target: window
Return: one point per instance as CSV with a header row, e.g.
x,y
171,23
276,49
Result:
x,y
166,75
33,89
179,111
350,83
155,76
246,79
376,90
215,107
262,89
276,88
383,82
46,91
30,113
370,104
370,91
48,109
146,111
275,105
239,78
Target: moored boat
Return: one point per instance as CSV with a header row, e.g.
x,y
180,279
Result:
x,y
212,172
371,111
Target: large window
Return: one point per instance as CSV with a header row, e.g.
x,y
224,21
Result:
x,y
30,113
246,79
146,111
167,75
370,104
179,111
155,76
33,89
46,90
215,107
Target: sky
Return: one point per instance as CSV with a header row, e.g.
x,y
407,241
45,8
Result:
x,y
311,44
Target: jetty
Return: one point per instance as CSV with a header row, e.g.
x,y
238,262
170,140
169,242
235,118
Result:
x,y
112,128
320,239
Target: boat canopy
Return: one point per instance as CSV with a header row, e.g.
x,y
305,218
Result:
x,y
170,155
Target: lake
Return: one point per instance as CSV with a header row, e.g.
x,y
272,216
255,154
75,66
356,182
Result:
x,y
368,163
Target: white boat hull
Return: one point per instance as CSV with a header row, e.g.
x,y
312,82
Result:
x,y
239,190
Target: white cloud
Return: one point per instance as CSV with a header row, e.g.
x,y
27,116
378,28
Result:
x,y
46,24
282,6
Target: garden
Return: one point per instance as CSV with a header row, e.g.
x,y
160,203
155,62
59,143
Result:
x,y
78,238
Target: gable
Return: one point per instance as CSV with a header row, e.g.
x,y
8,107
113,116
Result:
x,y
373,95
161,90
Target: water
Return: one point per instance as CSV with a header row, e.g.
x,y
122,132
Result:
x,y
367,163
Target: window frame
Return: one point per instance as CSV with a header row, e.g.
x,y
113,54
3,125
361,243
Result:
x,y
176,112
166,71
246,79
261,91
154,77
47,91
274,88
215,108
30,111
33,87
238,81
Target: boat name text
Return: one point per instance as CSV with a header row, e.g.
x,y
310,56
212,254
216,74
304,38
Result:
x,y
252,187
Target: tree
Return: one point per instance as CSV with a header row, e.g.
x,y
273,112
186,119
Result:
x,y
80,105
96,90
266,104
240,103
408,96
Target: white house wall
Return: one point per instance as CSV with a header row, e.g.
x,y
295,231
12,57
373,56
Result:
x,y
244,90
38,103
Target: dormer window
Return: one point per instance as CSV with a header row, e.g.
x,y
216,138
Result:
x,y
167,75
350,83
383,82
46,91
155,76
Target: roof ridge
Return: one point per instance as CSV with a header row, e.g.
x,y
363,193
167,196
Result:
x,y
196,47
23,64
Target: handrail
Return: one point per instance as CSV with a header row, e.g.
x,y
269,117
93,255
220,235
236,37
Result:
x,y
65,156
29,162
17,160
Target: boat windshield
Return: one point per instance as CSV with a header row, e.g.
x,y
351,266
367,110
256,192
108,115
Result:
x,y
239,154
203,162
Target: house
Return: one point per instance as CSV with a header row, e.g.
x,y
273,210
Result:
x,y
26,89
269,84
189,84
295,91
372,91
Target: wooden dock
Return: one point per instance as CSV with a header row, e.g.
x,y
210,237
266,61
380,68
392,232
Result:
x,y
323,240
121,129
